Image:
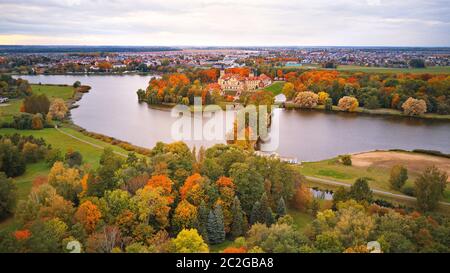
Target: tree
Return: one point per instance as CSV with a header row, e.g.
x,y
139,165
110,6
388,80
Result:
x,y
399,175
417,63
215,226
281,208
185,216
349,104
346,160
88,215
58,109
414,107
238,225
189,241
429,187
249,184
307,99
323,97
73,158
37,122
151,207
302,198
193,189
76,84
202,220
12,162
8,196
36,104
66,181
163,182
329,105
288,90
360,190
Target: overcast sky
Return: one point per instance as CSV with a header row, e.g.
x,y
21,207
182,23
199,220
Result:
x,y
226,22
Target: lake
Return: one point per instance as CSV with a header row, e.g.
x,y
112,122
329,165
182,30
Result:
x,y
111,108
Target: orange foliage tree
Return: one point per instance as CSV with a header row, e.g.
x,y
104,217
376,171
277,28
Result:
x,y
88,215
163,182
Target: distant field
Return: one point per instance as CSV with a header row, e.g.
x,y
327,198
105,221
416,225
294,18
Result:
x,y
275,87
376,166
430,70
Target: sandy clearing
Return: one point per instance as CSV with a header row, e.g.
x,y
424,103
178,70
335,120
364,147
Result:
x,y
415,162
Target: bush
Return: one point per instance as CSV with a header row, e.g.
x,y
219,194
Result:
x,y
349,104
414,107
307,99
73,158
346,160
37,122
329,105
22,122
409,190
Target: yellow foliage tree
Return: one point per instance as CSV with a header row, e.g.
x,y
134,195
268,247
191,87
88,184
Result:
x,y
349,104
189,241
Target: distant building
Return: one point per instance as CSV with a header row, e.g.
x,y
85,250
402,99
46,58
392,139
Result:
x,y
239,83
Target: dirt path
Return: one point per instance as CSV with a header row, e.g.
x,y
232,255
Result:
x,y
385,193
87,142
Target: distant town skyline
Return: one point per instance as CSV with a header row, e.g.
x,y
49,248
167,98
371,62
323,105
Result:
x,y
226,23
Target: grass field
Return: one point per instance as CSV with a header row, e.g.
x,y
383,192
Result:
x,y
54,91
8,110
301,219
429,70
275,87
376,166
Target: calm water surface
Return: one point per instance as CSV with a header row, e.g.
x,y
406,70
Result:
x,y
111,108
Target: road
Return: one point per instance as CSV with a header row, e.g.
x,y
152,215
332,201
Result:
x,y
379,192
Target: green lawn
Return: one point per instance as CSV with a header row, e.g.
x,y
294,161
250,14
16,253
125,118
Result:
x,y
275,87
54,91
9,110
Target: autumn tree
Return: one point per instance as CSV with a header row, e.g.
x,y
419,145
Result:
x,y
66,181
323,97
249,184
288,90
37,122
349,104
302,198
306,99
429,187
185,216
58,109
398,177
189,241
88,215
414,107
151,207
163,182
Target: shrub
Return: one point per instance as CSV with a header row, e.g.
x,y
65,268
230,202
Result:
x,y
329,105
323,97
36,104
58,109
73,158
22,122
307,99
414,107
346,160
409,190
349,104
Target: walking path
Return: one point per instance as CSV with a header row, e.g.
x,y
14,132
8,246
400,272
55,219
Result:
x,y
385,193
87,142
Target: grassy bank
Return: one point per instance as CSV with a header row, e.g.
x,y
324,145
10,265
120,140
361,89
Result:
x,y
376,166
275,88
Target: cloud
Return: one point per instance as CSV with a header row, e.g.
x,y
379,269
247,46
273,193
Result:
x,y
232,22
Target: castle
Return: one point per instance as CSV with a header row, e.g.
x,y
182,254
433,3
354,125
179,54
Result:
x,y
239,83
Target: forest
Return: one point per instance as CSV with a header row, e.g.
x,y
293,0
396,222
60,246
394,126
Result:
x,y
182,200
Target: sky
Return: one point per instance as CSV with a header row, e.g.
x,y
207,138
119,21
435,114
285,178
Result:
x,y
226,22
